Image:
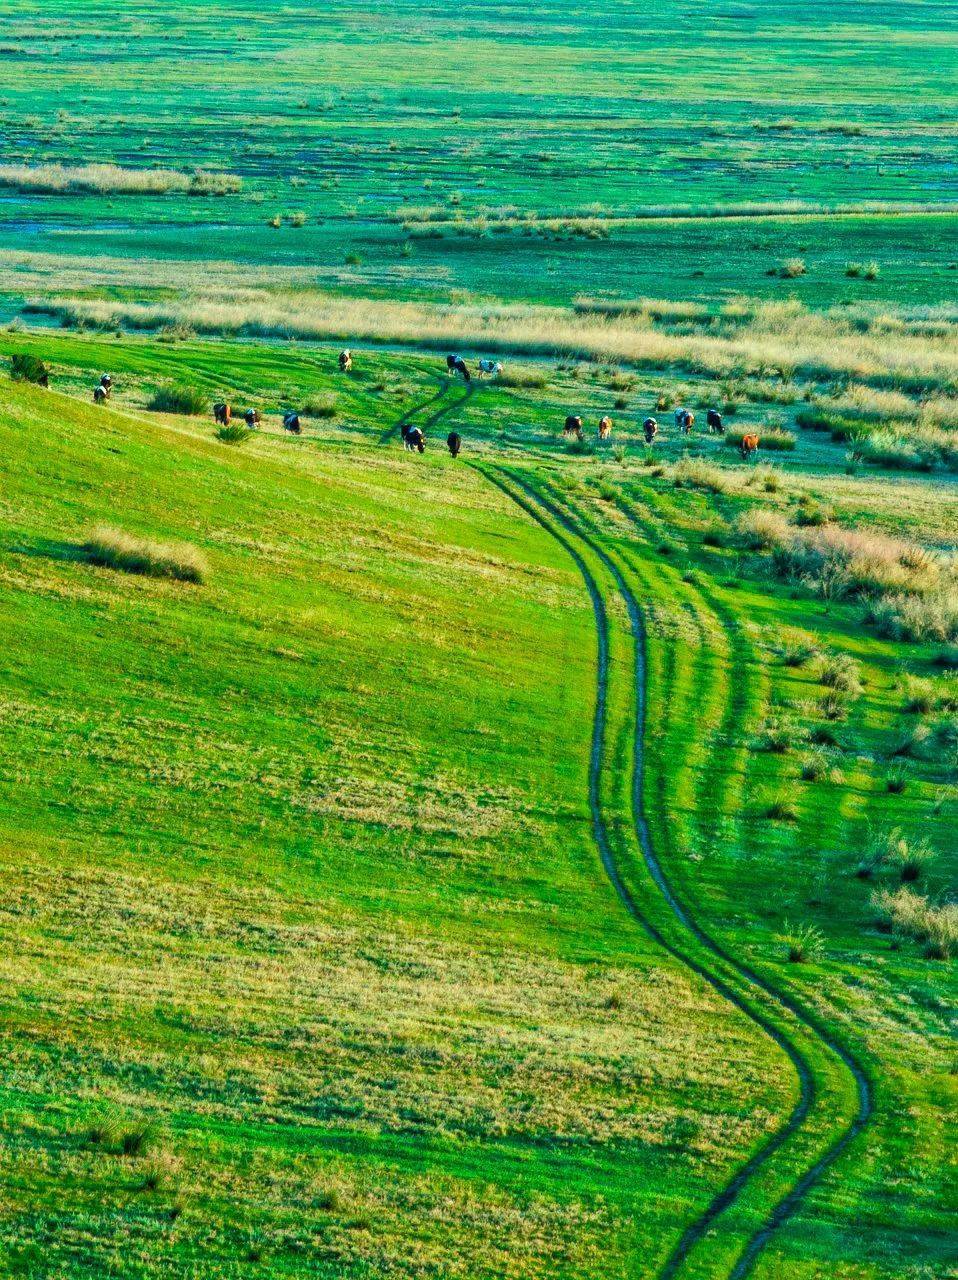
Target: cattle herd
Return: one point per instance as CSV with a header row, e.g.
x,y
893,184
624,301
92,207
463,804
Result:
x,y
414,440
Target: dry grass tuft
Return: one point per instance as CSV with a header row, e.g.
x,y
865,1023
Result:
x,y
915,916
115,549
113,179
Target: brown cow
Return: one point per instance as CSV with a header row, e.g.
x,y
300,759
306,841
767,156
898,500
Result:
x,y
685,421
748,446
573,426
605,428
222,413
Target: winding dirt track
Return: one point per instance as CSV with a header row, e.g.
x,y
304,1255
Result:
x,y
534,504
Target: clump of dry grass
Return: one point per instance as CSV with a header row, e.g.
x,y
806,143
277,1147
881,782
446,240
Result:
x,y
761,529
914,915
695,473
902,615
840,672
114,549
319,406
113,179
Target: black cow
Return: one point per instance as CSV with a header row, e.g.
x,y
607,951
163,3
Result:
x,y
713,420
252,417
291,423
573,426
454,441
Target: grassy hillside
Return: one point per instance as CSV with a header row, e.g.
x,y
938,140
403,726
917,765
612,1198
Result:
x,y
299,878
312,839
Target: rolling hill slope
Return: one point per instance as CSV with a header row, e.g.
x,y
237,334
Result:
x,y
310,962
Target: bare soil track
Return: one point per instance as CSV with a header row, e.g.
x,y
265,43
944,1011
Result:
x,y
569,532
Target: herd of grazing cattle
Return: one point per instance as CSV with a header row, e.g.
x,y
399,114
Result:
x,y
413,437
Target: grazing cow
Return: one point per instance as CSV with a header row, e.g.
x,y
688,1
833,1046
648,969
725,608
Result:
x,y
651,429
345,361
714,422
454,441
106,382
685,421
456,364
291,423
605,428
413,439
573,426
100,395
491,368
748,446
222,413
252,417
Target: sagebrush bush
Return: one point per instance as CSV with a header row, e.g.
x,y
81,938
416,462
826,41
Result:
x,y
178,399
905,616
115,549
779,736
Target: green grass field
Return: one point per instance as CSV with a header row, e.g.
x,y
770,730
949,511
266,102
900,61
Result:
x,y
535,864
300,867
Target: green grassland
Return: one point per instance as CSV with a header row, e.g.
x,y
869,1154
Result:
x,y
299,863
537,864
496,153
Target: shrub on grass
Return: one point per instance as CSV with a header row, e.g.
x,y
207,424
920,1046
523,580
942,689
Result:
x,y
893,452
773,439
914,915
178,399
319,406
796,652
814,767
235,433
761,529
159,1172
121,1137
907,616
580,448
897,780
115,549
935,743
853,270
840,672
695,473
833,706
802,942
782,809
792,268
27,368
779,736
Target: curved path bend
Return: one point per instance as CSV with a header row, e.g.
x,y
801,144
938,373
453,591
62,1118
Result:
x,y
565,531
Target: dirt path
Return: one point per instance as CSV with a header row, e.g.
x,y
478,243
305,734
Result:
x,y
567,534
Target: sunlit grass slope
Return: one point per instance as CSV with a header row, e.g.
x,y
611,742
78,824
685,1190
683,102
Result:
x,y
309,966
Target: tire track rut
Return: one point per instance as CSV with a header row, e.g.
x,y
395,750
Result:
x,y
534,503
